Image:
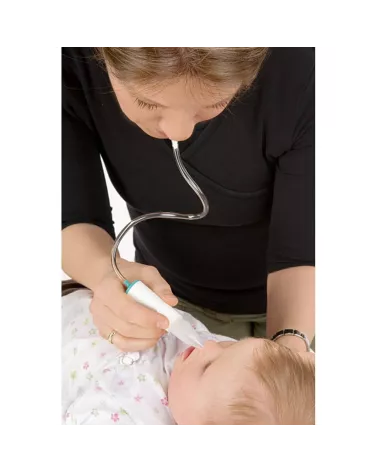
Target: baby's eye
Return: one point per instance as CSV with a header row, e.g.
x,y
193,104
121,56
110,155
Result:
x,y
206,367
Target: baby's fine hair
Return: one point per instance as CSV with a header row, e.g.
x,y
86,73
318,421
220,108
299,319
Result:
x,y
287,393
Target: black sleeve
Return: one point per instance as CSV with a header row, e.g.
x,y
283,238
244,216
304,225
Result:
x,y
84,194
292,229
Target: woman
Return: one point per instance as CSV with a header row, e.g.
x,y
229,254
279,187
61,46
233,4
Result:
x,y
244,119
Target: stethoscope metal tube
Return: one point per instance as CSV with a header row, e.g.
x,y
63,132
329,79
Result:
x,y
165,215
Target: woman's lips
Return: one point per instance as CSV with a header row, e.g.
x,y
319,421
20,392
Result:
x,y
187,352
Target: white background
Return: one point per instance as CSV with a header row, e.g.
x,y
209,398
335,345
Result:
x,y
346,238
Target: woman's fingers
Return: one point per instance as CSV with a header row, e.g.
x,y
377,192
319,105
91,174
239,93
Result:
x,y
152,278
136,326
103,315
114,296
126,344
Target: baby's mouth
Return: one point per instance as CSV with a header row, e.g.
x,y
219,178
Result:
x,y
187,352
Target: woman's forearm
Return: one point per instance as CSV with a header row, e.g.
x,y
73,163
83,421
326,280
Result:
x,y
86,252
291,303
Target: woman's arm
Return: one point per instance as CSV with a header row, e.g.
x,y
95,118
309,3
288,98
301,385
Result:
x,y
291,304
86,252
291,252
88,232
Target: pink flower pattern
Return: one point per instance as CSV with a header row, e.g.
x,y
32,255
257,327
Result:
x,y
164,401
115,417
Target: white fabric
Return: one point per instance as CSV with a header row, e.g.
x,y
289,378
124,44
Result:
x,y
101,385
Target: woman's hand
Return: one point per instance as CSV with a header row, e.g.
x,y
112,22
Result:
x,y
136,327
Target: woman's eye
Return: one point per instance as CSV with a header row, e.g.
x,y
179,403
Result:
x,y
149,106
142,104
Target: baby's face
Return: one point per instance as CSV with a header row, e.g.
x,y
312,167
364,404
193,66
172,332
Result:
x,y
206,379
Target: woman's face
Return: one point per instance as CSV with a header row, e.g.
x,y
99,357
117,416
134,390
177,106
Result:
x,y
170,111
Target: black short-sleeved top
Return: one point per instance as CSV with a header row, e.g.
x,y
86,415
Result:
x,y
254,161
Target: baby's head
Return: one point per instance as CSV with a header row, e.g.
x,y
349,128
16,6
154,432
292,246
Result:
x,y
253,381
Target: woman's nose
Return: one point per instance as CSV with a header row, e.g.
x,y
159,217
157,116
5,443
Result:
x,y
177,128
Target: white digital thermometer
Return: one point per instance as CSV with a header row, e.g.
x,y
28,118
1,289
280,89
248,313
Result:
x,y
178,326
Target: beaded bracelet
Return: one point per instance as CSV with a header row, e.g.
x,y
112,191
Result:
x,y
292,332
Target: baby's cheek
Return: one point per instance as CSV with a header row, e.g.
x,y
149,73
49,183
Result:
x,y
181,395
173,383
174,395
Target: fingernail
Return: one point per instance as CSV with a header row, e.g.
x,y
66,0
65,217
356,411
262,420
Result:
x,y
169,296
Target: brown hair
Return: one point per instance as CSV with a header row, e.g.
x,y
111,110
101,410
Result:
x,y
214,66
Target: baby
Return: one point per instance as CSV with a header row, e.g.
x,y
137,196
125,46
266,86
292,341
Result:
x,y
253,381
